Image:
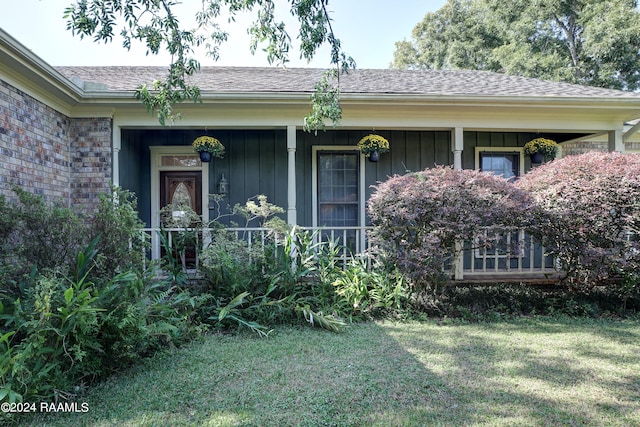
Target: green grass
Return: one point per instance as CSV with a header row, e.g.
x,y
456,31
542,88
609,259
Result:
x,y
526,372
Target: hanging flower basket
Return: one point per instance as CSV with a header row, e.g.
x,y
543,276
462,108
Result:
x,y
208,147
541,149
205,156
372,146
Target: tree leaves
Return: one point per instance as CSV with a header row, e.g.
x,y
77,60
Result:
x,y
590,42
154,23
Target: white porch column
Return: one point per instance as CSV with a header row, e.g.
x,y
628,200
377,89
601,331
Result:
x,y
457,145
292,213
115,154
616,143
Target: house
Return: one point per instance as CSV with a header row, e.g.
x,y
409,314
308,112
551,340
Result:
x,y
69,132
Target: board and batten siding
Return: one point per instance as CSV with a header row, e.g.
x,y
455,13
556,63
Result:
x,y
473,139
409,151
255,162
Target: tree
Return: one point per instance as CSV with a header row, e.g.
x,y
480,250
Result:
x,y
155,23
590,42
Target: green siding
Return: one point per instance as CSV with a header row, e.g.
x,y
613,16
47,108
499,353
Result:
x,y
255,163
256,160
473,139
409,150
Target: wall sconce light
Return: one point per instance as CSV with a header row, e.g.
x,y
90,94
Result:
x,y
223,185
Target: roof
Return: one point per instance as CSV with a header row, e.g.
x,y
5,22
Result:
x,y
359,81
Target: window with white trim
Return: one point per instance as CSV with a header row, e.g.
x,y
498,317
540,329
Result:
x,y
338,201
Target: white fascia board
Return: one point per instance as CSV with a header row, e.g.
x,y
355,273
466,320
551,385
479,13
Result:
x,y
26,71
382,110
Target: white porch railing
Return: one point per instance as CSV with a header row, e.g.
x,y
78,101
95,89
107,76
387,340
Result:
x,y
510,253
352,241
513,253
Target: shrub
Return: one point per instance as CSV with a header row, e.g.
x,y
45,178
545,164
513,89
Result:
x,y
122,244
65,331
589,204
368,292
43,235
420,218
230,265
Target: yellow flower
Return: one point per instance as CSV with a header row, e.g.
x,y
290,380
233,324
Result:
x,y
209,144
373,142
547,147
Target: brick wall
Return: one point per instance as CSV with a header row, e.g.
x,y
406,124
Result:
x,y
583,147
47,153
90,162
34,148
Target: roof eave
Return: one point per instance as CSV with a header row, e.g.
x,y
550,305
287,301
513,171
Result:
x,y
35,76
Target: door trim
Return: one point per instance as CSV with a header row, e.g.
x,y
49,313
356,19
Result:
x,y
314,180
156,153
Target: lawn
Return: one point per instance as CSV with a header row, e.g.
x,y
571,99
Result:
x,y
526,372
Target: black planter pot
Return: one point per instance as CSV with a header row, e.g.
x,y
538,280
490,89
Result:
x,y
537,158
374,156
205,156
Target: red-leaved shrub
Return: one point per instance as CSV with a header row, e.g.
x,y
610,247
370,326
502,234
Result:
x,y
418,218
590,204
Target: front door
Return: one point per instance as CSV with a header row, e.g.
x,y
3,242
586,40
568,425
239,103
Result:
x,y
182,190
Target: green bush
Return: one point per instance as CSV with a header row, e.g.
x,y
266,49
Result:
x,y
35,233
80,316
370,292
122,242
231,266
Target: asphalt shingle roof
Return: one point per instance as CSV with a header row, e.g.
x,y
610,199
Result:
x,y
378,81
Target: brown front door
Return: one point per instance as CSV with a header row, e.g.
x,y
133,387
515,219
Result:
x,y
182,189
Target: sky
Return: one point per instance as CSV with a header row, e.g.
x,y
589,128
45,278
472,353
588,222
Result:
x,y
368,30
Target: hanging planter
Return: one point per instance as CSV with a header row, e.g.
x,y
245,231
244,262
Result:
x,y
205,156
208,147
541,150
372,146
537,158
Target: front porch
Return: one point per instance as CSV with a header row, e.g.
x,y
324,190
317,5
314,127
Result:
x,y
515,256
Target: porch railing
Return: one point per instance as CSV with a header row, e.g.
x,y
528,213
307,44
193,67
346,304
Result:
x,y
352,241
509,254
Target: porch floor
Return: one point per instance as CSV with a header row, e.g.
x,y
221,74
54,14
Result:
x,y
540,279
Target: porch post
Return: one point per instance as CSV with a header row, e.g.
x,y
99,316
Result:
x,y
292,214
616,142
457,145
116,145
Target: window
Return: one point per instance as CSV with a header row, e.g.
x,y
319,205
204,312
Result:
x,y
503,164
504,161
338,194
338,189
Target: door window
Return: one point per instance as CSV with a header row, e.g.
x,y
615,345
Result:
x,y
338,189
